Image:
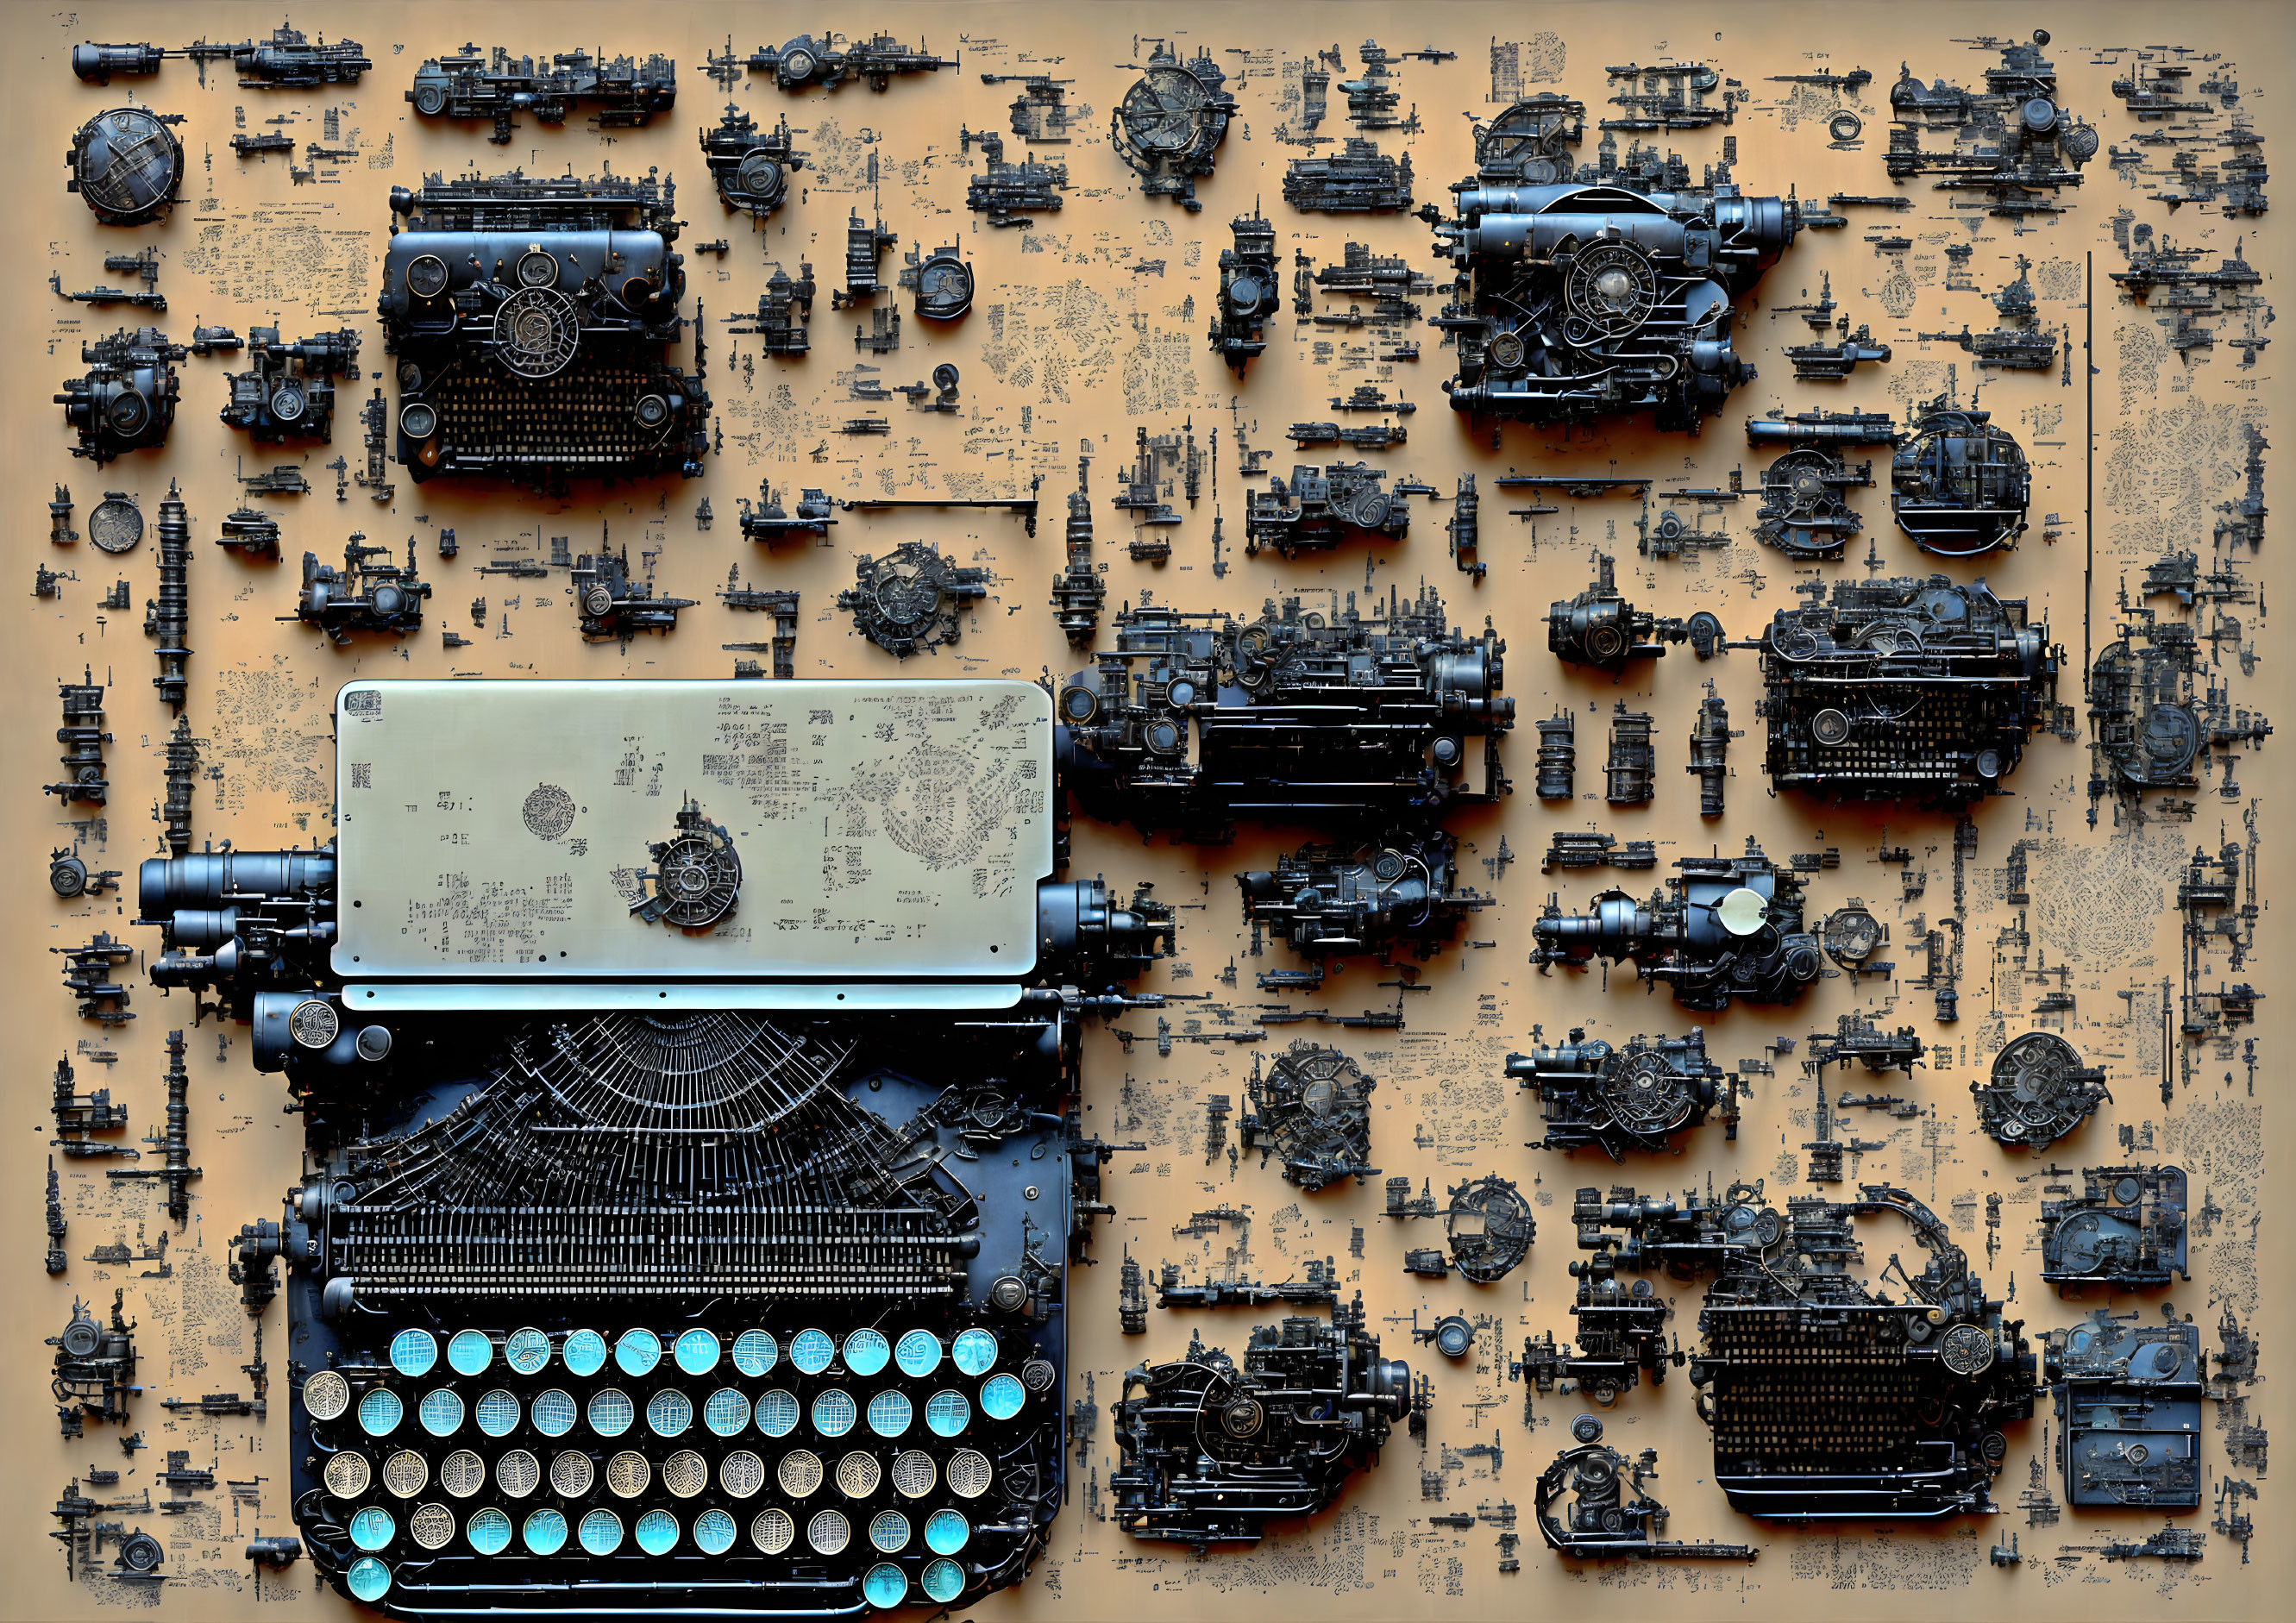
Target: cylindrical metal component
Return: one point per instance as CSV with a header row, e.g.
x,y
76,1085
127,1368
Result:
x,y
1709,745
168,616
1558,756
1629,775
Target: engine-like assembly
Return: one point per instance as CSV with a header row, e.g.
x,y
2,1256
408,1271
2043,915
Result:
x,y
2127,1229
1724,927
1320,507
2128,1406
2038,1091
1192,720
126,401
494,84
1249,292
1214,1449
1600,628
530,316
290,388
1958,484
1629,1098
750,166
1904,689
368,594
1401,889
1311,1107
1169,124
1578,301
1602,1523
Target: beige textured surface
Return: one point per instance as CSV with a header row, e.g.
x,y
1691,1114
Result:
x,y
1068,350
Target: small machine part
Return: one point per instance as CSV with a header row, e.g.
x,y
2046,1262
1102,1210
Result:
x,y
1824,428
252,532
768,520
2129,1407
1009,193
1320,1289
1168,127
60,512
2038,1091
751,167
368,594
1191,720
277,1550
1357,179
2126,1229
286,60
1959,486
911,598
941,280
95,1366
1464,531
290,389
183,770
1602,1523
1710,750
2011,142
1249,293
1722,927
1826,361
1164,466
126,400
831,59
1558,756
1599,628
1845,670
1451,1335
56,1261
127,165
1805,511
1630,774
1312,1108
168,616
1213,1450
68,876
1320,507
78,1115
1079,593
784,309
1567,848
83,737
494,84
173,1142
610,607
2002,349
1629,1098
1857,1040
864,244
696,878
1489,1226
88,975
1328,901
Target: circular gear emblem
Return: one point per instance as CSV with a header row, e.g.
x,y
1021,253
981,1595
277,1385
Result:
x,y
548,812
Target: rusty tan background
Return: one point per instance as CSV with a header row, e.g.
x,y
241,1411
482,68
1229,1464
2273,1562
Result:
x,y
1070,349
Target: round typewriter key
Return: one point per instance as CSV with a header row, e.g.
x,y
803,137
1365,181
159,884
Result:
x,y
741,1473
657,1532
638,1352
859,1475
685,1473
585,1352
755,1352
918,1353
828,1532
975,1351
697,1351
432,1527
669,1411
968,1473
368,1580
1001,1396
799,1472
497,1414
773,1531
947,1412
946,1532
713,1532
440,1411
865,1352
518,1474
883,1585
811,1351
890,1413
348,1474
405,1473
371,1528
914,1472
488,1532
611,1411
942,1581
469,1352
629,1474
544,1533
327,1394
526,1351
554,1412
379,1412
777,1413
413,1352
889,1530
601,1532
833,1413
572,1474
462,1474
725,1412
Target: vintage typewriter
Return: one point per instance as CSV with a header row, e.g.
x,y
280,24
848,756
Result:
x,y
694,1165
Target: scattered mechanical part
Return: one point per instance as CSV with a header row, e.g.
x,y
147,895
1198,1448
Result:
x,y
1169,124
1629,1098
2037,1092
1312,1108
1489,1226
363,596
494,84
911,598
1603,1524
2127,1229
1959,486
126,401
127,165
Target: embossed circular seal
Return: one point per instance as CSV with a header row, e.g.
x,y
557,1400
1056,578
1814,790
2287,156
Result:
x,y
549,812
